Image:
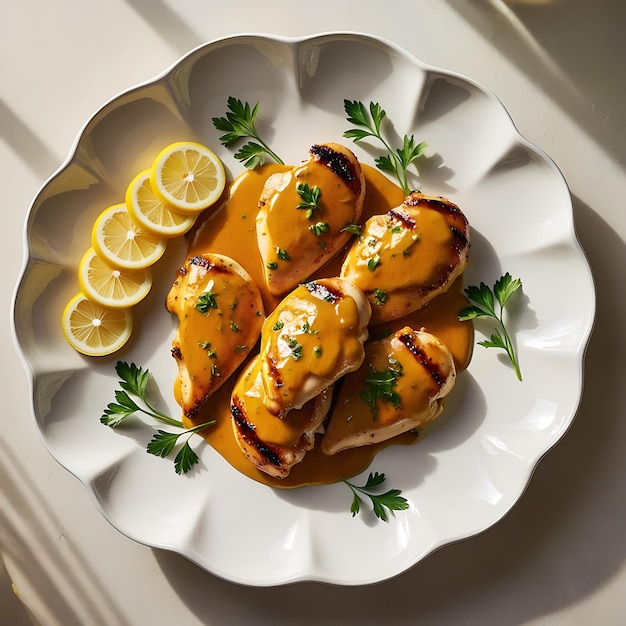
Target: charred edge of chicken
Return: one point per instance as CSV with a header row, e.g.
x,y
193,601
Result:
x,y
433,369
339,164
248,432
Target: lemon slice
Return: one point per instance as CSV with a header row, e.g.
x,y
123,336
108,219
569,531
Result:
x,y
109,286
122,243
95,330
150,213
188,176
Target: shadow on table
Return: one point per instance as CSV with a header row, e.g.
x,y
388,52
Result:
x,y
167,23
571,517
574,50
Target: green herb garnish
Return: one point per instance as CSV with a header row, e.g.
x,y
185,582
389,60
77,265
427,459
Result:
x,y
162,444
310,197
283,255
484,306
295,347
239,124
381,386
373,263
369,123
134,381
354,229
390,500
319,228
380,297
206,345
205,302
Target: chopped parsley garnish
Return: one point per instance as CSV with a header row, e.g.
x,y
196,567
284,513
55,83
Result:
x,y
283,255
319,228
278,326
380,297
206,301
373,263
234,327
295,347
355,229
206,345
272,265
381,386
310,197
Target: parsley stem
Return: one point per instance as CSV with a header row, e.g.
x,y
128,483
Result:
x,y
195,429
269,151
510,350
161,417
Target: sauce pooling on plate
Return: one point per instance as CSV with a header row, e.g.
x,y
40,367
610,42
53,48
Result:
x,y
231,231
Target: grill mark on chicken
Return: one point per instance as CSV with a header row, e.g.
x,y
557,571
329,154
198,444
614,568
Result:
x,y
460,240
406,220
206,264
248,432
274,372
324,292
339,164
433,369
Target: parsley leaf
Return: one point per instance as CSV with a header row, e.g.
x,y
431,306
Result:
x,y
354,229
205,302
239,124
381,386
380,297
319,228
484,305
368,122
390,500
134,381
310,198
163,442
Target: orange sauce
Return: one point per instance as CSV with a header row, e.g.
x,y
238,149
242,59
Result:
x,y
231,230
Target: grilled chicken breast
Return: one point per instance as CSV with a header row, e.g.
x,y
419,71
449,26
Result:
x,y
408,256
273,444
400,386
220,315
312,338
302,213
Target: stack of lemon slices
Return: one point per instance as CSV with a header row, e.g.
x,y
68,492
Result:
x,y
127,239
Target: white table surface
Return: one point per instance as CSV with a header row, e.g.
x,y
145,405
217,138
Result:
x,y
559,556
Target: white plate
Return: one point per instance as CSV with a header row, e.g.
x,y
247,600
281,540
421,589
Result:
x,y
471,466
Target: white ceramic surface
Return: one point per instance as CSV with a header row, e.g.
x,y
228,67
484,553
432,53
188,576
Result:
x,y
471,466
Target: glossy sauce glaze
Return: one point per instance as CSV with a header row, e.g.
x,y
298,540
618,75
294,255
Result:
x,y
230,230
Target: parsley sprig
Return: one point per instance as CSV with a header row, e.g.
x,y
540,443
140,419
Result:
x,y
484,306
239,124
390,500
134,381
369,122
163,442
